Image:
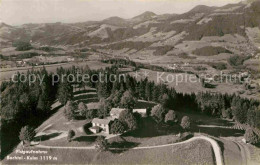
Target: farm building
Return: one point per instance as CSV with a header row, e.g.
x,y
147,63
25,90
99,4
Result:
x,y
142,112
115,112
70,59
99,125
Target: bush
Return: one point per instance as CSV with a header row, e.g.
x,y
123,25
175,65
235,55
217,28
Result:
x,y
22,46
170,117
27,134
91,113
128,119
186,136
162,50
158,113
128,101
82,109
71,134
101,143
219,65
237,60
200,68
185,122
227,113
251,136
69,110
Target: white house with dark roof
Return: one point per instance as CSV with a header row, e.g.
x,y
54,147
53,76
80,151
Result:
x,y
115,112
99,125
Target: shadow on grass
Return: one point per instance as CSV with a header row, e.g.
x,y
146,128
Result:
x,y
122,146
90,139
151,129
218,132
86,128
47,137
211,86
257,145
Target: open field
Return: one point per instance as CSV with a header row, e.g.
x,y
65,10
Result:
x,y
8,72
53,132
184,82
197,152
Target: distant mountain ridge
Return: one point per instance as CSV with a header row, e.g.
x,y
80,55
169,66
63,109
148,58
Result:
x,y
199,22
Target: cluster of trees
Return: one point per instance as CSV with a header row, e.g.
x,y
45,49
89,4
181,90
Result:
x,y
22,46
210,51
251,137
164,115
138,65
220,105
230,106
237,60
24,103
162,50
27,134
219,65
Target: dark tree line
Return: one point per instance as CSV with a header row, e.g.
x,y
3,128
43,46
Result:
x,y
24,104
243,110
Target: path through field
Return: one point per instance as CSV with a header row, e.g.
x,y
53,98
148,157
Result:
x,y
214,144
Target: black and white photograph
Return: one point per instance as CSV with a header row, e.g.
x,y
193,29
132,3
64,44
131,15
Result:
x,y
130,82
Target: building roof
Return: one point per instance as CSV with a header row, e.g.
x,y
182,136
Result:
x,y
101,121
139,110
93,105
116,111
95,127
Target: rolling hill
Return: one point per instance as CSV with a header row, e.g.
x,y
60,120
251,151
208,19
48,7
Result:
x,y
223,25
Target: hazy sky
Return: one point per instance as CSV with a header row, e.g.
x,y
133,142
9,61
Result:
x,y
16,12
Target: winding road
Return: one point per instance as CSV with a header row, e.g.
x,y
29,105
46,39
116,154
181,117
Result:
x,y
214,144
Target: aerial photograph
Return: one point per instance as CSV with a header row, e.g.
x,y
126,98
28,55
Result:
x,y
130,82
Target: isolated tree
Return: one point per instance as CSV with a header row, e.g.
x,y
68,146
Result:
x,y
116,98
22,46
117,127
102,90
240,112
101,143
27,134
91,113
185,122
69,110
170,117
43,105
128,119
82,109
148,91
158,113
128,101
104,108
65,92
155,92
251,137
226,113
71,134
164,100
